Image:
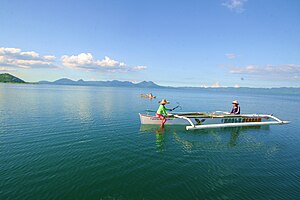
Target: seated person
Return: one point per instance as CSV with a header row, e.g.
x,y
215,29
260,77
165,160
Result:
x,y
150,95
236,110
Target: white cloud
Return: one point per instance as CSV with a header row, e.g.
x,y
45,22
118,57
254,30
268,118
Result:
x,y
285,71
231,55
50,58
83,59
235,5
6,69
87,61
107,62
30,54
140,67
16,58
9,50
249,69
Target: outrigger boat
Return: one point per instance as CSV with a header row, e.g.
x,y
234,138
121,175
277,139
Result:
x,y
218,119
149,96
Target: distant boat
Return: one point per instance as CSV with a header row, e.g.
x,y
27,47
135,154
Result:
x,y
149,96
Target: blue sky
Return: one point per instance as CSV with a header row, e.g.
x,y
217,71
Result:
x,y
247,43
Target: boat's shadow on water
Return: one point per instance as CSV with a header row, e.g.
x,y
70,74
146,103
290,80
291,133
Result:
x,y
212,139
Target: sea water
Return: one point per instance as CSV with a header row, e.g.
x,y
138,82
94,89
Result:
x,y
77,142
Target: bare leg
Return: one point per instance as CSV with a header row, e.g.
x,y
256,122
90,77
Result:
x,y
163,122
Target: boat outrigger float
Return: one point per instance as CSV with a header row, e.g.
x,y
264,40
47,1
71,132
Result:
x,y
203,120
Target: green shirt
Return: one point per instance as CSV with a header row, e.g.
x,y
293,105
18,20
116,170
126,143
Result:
x,y
162,110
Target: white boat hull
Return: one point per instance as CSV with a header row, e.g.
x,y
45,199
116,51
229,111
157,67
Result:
x,y
208,120
148,119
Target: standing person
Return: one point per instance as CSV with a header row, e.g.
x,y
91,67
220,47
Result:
x,y
236,110
161,112
150,95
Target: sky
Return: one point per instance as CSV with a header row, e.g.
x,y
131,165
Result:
x,y
219,43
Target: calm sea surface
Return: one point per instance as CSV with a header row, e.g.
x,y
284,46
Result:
x,y
73,142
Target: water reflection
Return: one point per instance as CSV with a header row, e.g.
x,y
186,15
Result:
x,y
211,139
234,137
160,141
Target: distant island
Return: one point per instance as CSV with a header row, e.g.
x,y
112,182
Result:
x,y
114,83
8,78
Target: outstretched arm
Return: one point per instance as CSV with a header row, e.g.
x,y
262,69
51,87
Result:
x,y
169,109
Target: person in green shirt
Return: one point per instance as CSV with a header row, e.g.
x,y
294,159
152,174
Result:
x,y
161,112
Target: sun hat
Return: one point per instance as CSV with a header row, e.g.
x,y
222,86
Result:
x,y
235,102
163,102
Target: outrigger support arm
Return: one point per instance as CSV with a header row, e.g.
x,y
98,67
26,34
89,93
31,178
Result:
x,y
186,118
193,126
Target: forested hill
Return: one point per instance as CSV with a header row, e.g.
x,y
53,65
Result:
x,y
8,78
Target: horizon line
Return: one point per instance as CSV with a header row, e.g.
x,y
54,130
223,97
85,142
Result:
x,y
163,86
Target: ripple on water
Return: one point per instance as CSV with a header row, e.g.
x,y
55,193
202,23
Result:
x,y
87,143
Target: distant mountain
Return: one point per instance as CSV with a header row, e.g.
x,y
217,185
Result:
x,y
114,83
8,78
147,84
64,81
44,82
